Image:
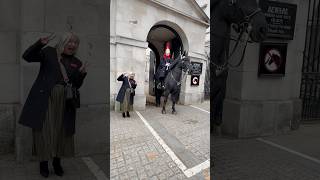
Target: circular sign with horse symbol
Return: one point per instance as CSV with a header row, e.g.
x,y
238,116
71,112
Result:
x,y
272,59
195,80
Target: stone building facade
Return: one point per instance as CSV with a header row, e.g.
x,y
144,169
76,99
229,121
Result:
x,y
137,25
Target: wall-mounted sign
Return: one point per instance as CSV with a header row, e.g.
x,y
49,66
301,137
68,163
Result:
x,y
195,79
272,59
281,18
195,68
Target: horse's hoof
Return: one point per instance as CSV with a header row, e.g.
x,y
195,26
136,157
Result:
x,y
174,112
163,112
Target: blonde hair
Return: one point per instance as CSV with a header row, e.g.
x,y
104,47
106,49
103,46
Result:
x,y
64,39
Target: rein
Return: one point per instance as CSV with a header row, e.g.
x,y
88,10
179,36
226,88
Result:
x,y
245,26
181,79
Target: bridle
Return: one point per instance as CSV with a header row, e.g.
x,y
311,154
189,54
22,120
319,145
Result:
x,y
244,26
184,73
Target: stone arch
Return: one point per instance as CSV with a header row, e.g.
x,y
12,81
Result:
x,y
158,34
175,27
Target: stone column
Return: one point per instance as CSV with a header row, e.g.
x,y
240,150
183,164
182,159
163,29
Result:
x,y
194,94
266,106
130,57
9,73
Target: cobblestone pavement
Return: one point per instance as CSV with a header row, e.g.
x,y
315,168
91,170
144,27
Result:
x,y
205,105
252,159
75,169
136,153
190,126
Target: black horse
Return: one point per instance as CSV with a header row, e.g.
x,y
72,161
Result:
x,y
173,82
246,18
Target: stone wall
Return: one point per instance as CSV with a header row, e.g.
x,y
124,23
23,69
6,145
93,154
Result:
x,y
9,72
24,22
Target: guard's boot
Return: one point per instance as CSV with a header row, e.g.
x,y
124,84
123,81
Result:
x,y
57,166
128,115
123,115
44,170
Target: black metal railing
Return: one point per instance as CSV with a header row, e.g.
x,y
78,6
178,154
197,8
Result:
x,y
310,83
207,79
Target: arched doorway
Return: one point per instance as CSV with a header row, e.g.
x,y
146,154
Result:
x,y
158,35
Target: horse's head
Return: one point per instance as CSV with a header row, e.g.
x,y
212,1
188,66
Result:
x,y
246,14
185,62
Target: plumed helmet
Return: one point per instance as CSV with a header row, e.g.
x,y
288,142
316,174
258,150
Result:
x,y
168,45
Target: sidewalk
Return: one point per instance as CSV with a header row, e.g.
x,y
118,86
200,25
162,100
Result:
x,y
292,156
75,169
137,153
148,145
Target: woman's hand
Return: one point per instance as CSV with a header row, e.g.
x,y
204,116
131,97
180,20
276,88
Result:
x,y
82,69
45,40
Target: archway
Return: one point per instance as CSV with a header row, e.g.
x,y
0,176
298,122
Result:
x,y
158,35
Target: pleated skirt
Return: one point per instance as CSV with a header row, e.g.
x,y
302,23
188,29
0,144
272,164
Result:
x,y
52,140
125,105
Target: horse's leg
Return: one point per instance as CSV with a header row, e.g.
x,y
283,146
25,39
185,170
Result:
x,y
218,95
174,100
164,104
173,107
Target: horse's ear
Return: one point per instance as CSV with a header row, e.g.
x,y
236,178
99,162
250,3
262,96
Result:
x,y
185,53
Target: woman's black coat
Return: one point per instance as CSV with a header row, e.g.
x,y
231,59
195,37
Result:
x,y
125,85
34,111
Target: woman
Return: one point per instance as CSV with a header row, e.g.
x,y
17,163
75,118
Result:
x,y
126,93
47,110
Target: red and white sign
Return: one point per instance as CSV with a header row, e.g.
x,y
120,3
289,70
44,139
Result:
x,y
272,60
195,79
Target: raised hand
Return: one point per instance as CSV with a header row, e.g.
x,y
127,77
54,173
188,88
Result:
x,y
82,69
45,40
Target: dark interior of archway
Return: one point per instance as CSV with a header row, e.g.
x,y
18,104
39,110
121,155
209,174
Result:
x,y
161,34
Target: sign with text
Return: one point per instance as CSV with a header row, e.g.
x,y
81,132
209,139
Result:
x,y
281,18
195,79
195,68
272,59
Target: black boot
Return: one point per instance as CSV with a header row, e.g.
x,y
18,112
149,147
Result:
x,y
57,166
44,170
128,114
123,115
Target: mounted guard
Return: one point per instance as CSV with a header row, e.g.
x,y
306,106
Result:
x,y
164,66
